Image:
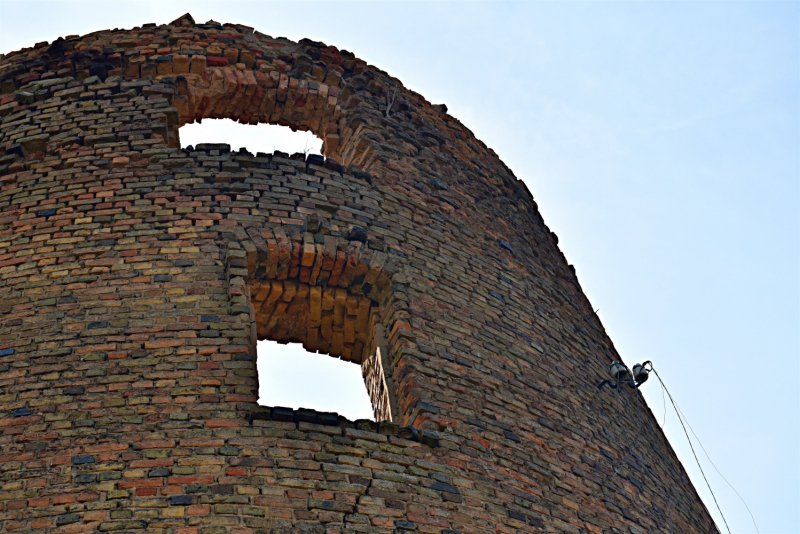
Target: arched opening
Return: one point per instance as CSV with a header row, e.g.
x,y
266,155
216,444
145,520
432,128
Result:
x,y
265,138
202,89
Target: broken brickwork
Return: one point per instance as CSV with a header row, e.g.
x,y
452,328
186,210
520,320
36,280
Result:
x,y
136,275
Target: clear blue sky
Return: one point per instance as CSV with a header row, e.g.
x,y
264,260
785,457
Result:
x,y
660,141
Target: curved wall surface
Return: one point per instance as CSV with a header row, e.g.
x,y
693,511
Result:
x,y
136,276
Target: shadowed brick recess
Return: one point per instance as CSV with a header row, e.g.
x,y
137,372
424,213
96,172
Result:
x,y
136,276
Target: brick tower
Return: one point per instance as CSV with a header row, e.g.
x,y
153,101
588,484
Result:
x,y
136,276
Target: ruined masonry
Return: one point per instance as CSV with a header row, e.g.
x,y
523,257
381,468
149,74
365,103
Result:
x,y
137,274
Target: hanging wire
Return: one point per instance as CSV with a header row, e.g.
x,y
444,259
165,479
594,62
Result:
x,y
663,423
664,402
659,486
657,480
602,348
680,413
653,476
692,447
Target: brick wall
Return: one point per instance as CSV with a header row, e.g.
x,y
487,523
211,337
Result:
x,y
135,276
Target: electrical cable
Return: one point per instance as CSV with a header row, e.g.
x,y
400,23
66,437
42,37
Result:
x,y
653,476
663,423
680,414
664,388
602,347
712,463
659,487
664,402
692,447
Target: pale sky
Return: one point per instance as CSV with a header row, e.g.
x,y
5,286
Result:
x,y
660,141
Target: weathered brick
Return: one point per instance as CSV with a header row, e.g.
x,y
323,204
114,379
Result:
x,y
134,276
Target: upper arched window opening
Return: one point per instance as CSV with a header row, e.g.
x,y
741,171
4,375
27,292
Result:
x,y
256,138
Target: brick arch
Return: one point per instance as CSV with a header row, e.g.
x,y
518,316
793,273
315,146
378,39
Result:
x,y
240,87
271,97
253,97
335,295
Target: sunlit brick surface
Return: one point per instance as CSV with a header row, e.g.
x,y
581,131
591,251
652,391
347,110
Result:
x,y
136,276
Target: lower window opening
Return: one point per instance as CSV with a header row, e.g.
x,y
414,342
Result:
x,y
292,377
